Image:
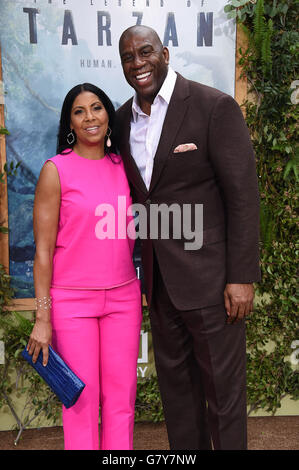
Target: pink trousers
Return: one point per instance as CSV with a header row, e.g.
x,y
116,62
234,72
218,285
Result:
x,y
97,333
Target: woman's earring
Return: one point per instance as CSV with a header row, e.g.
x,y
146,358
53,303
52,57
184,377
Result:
x,y
70,138
108,143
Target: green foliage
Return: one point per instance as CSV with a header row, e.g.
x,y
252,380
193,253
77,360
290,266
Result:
x,y
270,64
3,131
148,400
9,170
266,56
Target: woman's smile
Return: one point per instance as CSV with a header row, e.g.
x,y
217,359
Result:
x,y
92,130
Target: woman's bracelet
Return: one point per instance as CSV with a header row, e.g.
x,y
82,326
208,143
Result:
x,y
44,303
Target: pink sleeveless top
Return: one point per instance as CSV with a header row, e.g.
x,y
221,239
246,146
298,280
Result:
x,y
93,249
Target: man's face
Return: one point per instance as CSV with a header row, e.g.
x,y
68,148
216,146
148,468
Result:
x,y
144,62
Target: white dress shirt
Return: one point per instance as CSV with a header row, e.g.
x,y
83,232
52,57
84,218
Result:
x,y
146,130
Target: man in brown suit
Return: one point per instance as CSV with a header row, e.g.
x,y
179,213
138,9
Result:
x,y
185,143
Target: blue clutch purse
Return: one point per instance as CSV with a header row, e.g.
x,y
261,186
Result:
x,y
60,378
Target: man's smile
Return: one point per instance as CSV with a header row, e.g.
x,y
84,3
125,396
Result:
x,y
143,77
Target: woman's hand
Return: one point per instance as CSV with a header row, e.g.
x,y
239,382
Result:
x,y
40,339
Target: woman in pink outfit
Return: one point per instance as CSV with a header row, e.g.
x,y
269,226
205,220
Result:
x,y
87,294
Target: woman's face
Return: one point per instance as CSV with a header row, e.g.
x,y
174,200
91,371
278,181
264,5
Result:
x,y
89,119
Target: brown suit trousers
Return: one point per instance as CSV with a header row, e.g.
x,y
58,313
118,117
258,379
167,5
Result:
x,y
200,362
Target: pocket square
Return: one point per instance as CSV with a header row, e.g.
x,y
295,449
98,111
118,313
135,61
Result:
x,y
185,148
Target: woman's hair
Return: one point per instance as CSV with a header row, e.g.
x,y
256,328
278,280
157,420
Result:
x,y
65,117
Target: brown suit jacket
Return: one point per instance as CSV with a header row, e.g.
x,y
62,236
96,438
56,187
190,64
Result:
x,y
220,174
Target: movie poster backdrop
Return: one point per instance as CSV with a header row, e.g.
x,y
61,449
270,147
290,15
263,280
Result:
x,y
48,46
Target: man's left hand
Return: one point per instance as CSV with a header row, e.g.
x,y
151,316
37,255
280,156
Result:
x,y
238,300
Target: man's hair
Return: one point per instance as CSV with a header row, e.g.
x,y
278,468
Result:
x,y
139,28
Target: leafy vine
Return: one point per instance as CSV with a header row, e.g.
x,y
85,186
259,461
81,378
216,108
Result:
x,y
270,65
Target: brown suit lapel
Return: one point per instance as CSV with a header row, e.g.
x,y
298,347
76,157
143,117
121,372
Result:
x,y
173,120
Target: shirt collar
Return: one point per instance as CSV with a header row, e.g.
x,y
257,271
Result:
x,y
165,93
